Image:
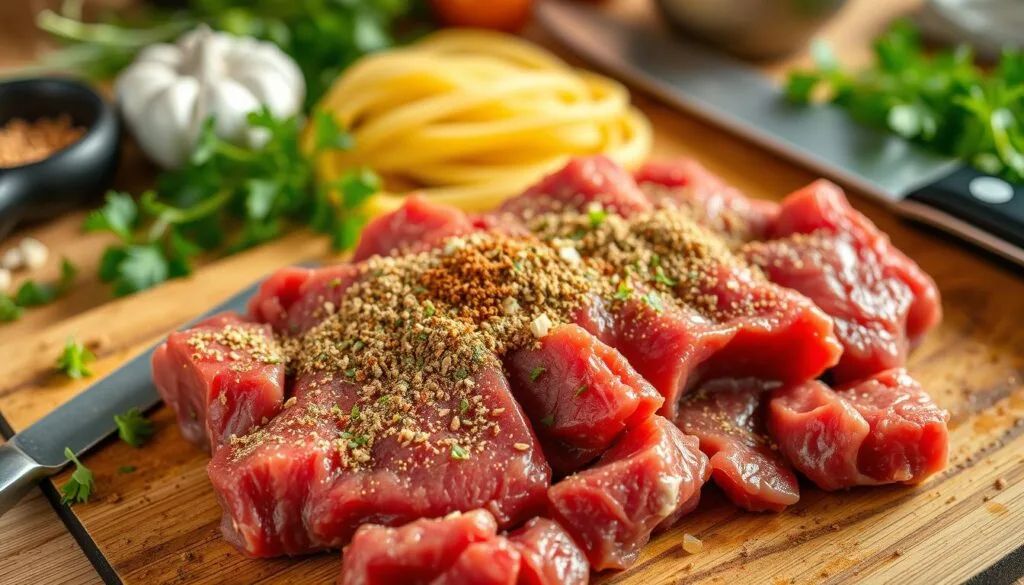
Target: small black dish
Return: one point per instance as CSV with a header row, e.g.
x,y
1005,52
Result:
x,y
69,177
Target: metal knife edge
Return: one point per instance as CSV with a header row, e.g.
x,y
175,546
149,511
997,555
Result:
x,y
130,383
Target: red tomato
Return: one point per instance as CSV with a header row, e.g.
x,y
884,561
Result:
x,y
507,15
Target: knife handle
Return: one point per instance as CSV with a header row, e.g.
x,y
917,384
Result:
x,y
984,202
19,473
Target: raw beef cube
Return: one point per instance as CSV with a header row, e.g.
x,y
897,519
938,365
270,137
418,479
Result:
x,y
582,182
418,223
727,417
494,562
882,303
276,296
287,489
318,296
579,394
221,378
757,330
650,477
712,202
883,430
550,557
413,554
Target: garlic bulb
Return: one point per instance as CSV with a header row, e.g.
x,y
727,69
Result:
x,y
170,90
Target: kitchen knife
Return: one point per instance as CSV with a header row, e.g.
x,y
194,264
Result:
x,y
85,420
982,209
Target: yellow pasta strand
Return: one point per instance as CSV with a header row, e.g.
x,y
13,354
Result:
x,y
473,117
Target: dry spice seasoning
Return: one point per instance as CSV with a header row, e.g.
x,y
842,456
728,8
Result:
x,y
23,142
414,333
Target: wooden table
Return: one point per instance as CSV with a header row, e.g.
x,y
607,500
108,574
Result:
x,y
35,547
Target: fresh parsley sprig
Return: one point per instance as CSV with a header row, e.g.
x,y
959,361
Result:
x,y
74,359
79,488
133,428
227,199
942,100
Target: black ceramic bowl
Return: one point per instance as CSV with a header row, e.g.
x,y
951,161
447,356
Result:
x,y
71,176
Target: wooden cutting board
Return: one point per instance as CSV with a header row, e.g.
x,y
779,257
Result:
x,y
160,524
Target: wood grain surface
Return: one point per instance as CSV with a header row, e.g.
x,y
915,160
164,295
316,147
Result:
x,y
160,524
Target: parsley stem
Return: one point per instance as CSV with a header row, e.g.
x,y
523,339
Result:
x,y
107,34
168,215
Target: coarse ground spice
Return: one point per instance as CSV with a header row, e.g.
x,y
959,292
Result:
x,y
24,142
414,332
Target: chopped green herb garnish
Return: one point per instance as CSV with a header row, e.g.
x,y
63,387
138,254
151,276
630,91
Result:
x,y
461,373
463,406
581,389
623,292
536,372
9,310
548,420
125,469
430,310
350,373
596,217
74,359
653,300
355,411
133,428
77,489
660,278
459,453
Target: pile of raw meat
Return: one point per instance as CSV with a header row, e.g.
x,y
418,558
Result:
x,y
599,431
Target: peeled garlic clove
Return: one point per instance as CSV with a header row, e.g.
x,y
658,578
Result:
x,y
12,259
34,252
5,280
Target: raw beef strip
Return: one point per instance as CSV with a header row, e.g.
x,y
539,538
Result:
x,y
782,337
882,303
727,417
284,488
413,554
550,557
579,394
582,182
494,562
649,478
712,202
221,378
419,222
294,300
883,430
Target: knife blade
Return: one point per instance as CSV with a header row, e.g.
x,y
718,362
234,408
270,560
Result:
x,y
85,420
916,183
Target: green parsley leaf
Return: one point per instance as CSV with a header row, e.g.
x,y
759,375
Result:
x,y
660,278
72,361
34,294
140,268
458,453
68,273
77,489
329,135
653,300
431,311
463,406
536,373
119,215
940,99
355,411
461,374
9,310
596,217
133,428
623,292
548,420
126,469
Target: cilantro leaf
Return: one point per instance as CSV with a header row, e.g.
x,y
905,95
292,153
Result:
x,y
623,292
119,215
74,358
329,135
133,428
34,294
653,300
141,267
9,310
536,373
459,453
79,488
